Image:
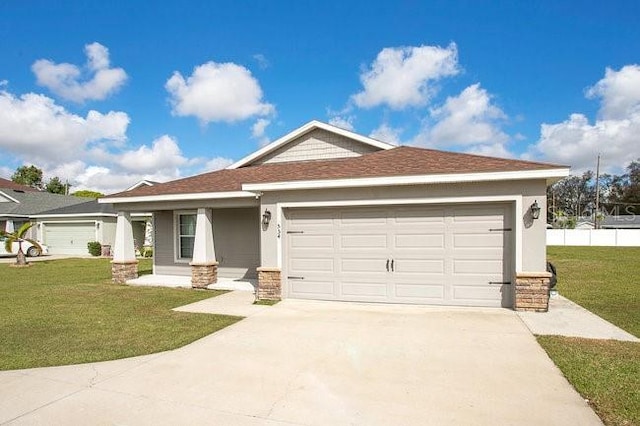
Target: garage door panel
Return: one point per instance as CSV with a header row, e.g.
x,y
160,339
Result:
x,y
357,289
311,241
479,240
362,218
478,267
312,265
420,290
349,241
472,295
68,238
419,266
310,288
419,216
348,265
419,240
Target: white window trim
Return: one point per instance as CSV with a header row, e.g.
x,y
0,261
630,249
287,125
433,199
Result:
x,y
176,235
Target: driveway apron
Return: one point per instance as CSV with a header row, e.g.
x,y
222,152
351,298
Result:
x,y
317,363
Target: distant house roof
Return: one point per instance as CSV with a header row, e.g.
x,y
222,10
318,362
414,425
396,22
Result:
x,y
27,203
621,222
86,208
144,182
9,184
389,163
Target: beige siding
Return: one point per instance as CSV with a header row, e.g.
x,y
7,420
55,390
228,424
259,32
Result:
x,y
317,145
164,246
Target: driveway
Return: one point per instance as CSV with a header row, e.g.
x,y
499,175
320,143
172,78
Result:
x,y
317,363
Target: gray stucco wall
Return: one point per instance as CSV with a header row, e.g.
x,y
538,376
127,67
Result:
x,y
533,232
236,239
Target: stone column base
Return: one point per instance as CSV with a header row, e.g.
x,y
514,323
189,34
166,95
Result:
x,y
269,285
203,274
123,271
532,291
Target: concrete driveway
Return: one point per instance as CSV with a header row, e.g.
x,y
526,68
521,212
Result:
x,y
317,363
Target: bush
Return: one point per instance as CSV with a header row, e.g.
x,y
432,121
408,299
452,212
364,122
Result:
x,y
147,251
95,248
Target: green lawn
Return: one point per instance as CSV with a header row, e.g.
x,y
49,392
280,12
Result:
x,y
67,312
605,280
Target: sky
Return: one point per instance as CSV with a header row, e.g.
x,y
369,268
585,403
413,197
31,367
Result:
x,y
105,94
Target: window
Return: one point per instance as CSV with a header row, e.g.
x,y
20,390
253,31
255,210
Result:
x,y
186,235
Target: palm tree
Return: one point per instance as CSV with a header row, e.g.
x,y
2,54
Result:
x,y
19,237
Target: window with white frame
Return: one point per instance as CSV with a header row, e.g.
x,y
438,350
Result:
x,y
186,235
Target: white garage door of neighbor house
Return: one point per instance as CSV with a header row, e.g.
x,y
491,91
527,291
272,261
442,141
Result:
x,y
69,238
441,255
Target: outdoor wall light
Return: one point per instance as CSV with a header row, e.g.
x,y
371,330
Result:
x,y
535,210
266,217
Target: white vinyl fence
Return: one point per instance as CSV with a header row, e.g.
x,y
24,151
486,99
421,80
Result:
x,y
594,237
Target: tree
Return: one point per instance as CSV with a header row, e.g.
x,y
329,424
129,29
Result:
x,y
631,191
88,194
19,237
28,175
55,186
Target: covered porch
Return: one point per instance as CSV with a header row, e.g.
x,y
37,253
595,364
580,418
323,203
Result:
x,y
211,247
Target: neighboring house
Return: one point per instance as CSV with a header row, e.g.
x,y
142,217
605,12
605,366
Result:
x,y
325,213
63,222
18,203
584,224
620,222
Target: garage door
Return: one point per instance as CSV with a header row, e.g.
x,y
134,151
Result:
x,y
69,238
450,255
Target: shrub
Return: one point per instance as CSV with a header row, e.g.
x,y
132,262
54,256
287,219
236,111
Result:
x,y
95,248
147,251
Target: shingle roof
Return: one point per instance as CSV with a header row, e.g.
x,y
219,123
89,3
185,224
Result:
x,y
400,161
9,184
31,202
88,207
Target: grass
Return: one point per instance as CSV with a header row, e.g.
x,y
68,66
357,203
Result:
x,y
266,302
67,312
605,280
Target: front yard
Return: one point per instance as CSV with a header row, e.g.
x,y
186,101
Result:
x,y
605,280
67,312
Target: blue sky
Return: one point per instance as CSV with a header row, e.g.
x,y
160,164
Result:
x,y
107,94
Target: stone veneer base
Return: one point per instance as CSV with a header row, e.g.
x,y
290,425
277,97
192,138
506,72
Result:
x,y
203,275
123,271
269,284
532,291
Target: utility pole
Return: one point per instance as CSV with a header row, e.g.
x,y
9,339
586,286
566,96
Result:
x,y
596,220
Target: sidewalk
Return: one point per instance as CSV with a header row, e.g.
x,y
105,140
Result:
x,y
566,318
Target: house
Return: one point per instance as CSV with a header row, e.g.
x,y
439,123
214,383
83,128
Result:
x,y
68,229
325,213
19,202
62,222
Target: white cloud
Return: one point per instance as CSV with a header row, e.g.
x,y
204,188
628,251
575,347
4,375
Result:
x,y
34,125
619,91
262,61
343,122
404,76
164,154
95,82
577,142
386,133
216,163
258,129
217,92
468,122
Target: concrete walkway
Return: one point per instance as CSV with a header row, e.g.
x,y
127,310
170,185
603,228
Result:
x,y
316,363
566,318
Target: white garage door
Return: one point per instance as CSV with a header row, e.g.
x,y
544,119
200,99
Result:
x,y
69,238
447,255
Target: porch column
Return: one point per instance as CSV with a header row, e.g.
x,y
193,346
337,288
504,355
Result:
x,y
124,265
204,268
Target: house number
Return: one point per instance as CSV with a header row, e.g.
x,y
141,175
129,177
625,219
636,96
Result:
x,y
278,232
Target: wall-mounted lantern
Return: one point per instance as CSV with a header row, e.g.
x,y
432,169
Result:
x,y
535,210
266,217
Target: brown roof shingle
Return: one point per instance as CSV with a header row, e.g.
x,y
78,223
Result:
x,y
9,184
400,161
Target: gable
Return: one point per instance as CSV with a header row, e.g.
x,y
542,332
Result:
x,y
313,141
318,144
